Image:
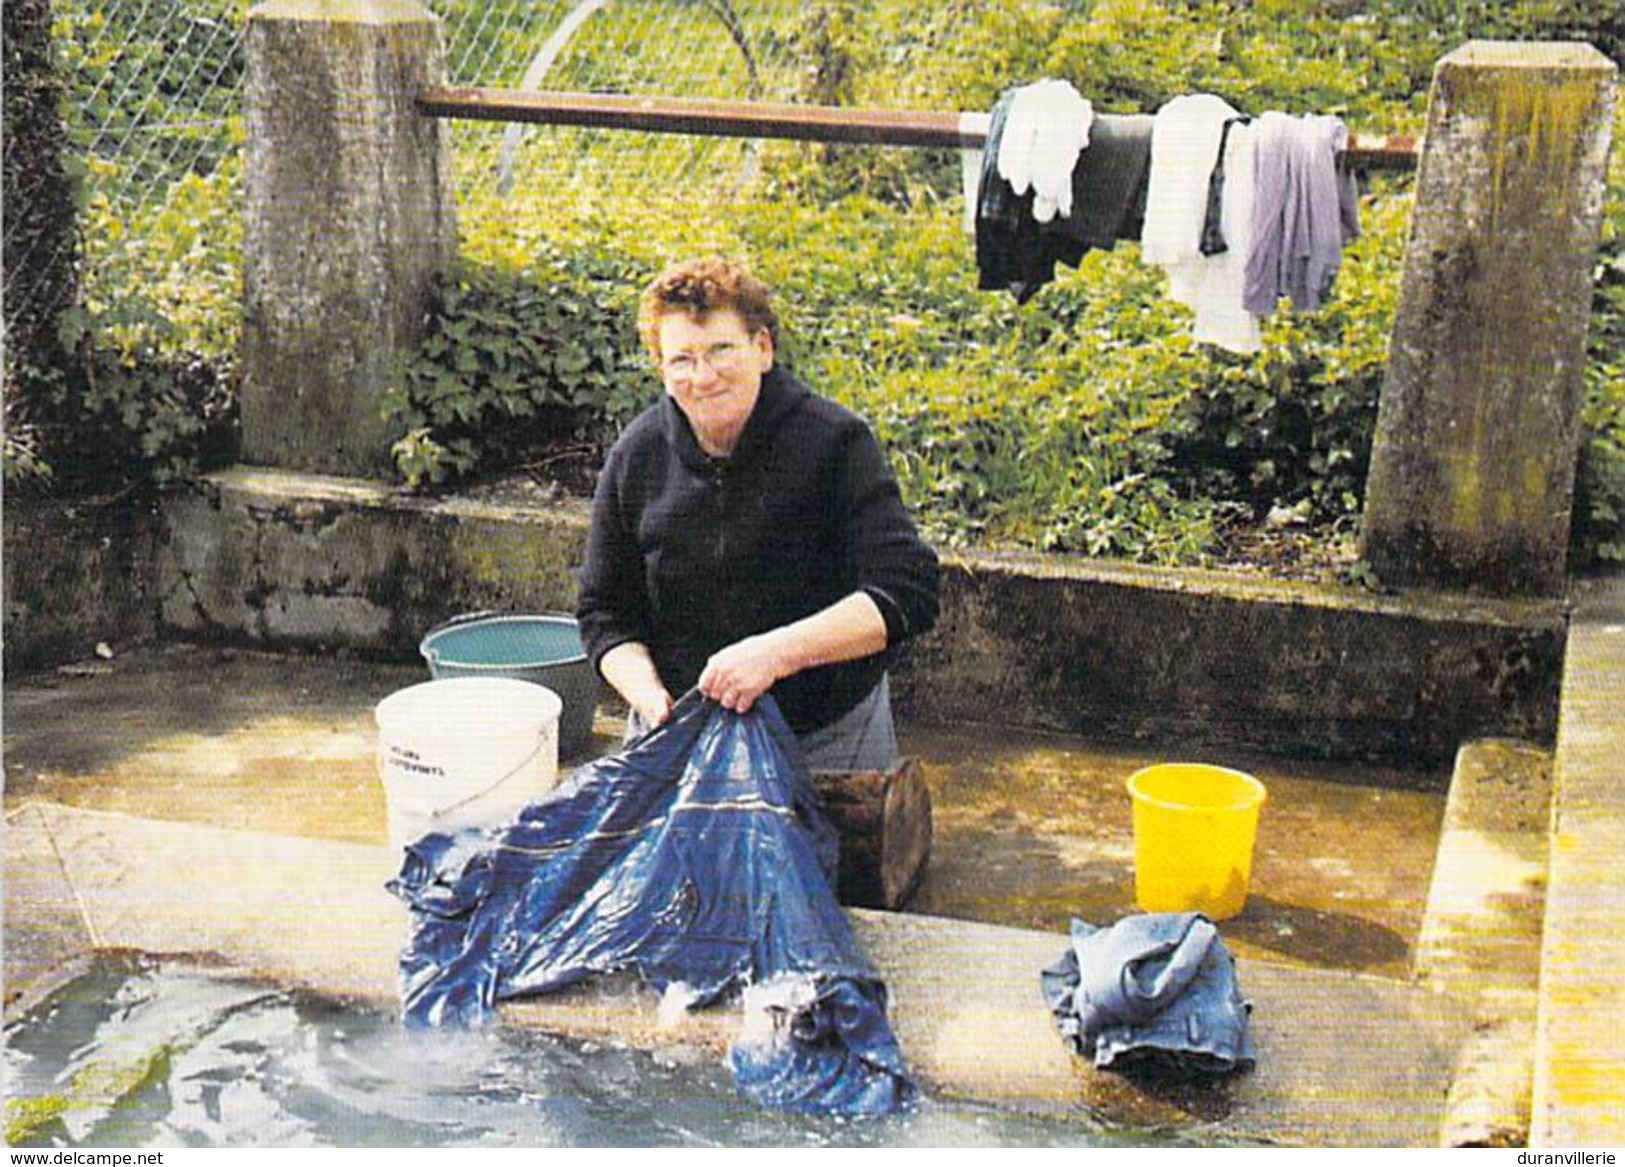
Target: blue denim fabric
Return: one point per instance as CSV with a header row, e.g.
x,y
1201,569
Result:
x,y
1158,987
699,856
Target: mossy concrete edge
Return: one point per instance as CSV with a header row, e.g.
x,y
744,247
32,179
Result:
x,y
1196,659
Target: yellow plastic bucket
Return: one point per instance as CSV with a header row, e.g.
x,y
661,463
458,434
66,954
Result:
x,y
1194,827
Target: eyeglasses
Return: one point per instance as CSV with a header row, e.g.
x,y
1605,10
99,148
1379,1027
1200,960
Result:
x,y
720,358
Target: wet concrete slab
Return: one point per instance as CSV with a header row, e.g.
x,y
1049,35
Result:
x,y
204,748
1579,1089
1344,1059
1031,828
235,739
47,936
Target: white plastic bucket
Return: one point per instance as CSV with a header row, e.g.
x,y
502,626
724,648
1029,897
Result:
x,y
465,752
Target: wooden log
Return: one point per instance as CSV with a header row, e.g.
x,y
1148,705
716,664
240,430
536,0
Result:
x,y
883,819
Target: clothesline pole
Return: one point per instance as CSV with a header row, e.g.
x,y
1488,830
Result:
x,y
759,119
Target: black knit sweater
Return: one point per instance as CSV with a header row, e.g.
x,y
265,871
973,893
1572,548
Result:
x,y
690,553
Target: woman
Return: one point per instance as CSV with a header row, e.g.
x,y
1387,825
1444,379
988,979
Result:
x,y
748,535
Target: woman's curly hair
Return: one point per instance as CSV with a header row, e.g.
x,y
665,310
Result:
x,y
699,287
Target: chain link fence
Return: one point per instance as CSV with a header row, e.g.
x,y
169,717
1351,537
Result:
x,y
152,102
736,49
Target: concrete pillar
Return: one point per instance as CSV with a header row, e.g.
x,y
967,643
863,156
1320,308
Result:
x,y
1472,473
347,219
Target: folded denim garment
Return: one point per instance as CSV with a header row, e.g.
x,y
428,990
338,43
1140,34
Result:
x,y
1157,988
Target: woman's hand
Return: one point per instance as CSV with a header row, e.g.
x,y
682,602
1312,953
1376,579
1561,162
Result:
x,y
631,671
735,676
849,628
653,706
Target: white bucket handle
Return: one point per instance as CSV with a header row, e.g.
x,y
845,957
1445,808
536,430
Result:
x,y
440,812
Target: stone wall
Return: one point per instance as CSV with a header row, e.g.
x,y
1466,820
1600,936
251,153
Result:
x,y
1192,659
317,563
1106,650
78,573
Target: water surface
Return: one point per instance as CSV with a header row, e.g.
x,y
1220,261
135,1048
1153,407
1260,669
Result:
x,y
138,1053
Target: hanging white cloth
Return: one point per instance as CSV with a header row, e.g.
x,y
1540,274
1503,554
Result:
x,y
1184,147
1045,131
1186,139
970,164
1213,285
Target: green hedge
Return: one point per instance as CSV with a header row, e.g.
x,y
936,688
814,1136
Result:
x,y
520,359
1599,490
1084,421
134,187
41,251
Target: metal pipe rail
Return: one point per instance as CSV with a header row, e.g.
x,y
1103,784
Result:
x,y
759,119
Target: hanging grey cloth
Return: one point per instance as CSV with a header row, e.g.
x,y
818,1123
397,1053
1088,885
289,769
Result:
x,y
1157,988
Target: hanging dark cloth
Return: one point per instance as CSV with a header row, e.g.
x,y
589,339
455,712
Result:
x,y
1108,184
1015,252
1152,989
699,857
1213,241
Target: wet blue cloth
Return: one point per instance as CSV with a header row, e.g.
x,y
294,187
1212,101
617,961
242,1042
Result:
x,y
1159,987
700,857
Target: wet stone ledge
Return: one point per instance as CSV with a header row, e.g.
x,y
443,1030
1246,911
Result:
x,y
1192,658
1113,651
313,562
1202,659
78,573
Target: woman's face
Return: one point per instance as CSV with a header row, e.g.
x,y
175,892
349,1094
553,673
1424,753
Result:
x,y
713,367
